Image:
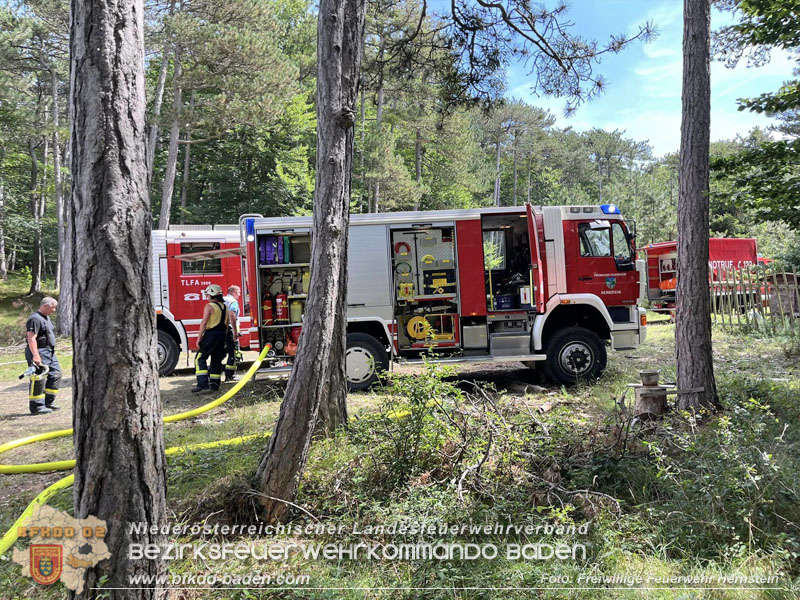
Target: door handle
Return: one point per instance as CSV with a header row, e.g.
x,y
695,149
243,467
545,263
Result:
x,y
585,278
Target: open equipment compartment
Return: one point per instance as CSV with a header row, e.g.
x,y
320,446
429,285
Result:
x,y
425,287
284,275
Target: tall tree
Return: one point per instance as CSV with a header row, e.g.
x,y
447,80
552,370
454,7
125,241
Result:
x,y
318,374
227,56
120,471
695,360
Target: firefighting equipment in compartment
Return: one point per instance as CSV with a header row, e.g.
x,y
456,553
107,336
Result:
x,y
281,307
296,311
428,259
403,269
292,339
270,250
402,249
405,290
213,290
287,250
418,328
266,309
439,282
668,284
306,281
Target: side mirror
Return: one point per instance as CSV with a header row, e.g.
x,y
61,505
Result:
x,y
624,264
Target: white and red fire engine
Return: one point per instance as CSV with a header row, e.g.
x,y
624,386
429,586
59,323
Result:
x,y
548,286
186,261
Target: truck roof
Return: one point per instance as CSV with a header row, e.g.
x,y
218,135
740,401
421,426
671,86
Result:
x,y
435,216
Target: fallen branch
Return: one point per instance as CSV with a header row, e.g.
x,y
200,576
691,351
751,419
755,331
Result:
x,y
474,468
586,493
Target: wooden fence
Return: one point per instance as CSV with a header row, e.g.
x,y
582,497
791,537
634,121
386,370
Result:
x,y
756,298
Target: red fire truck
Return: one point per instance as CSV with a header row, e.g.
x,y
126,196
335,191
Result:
x,y
548,286
185,261
724,254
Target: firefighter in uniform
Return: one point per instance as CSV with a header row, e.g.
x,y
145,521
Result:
x,y
41,352
211,341
232,339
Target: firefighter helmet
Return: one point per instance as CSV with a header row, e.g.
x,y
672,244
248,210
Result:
x,y
213,290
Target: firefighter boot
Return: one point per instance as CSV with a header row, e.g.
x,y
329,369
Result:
x,y
38,409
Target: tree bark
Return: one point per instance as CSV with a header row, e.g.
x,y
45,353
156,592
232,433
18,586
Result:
x,y
120,471
57,177
418,162
318,374
187,153
3,263
174,134
364,206
515,167
378,126
693,321
36,252
497,175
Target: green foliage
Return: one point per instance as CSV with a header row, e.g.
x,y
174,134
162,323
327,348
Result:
x,y
766,177
734,479
408,436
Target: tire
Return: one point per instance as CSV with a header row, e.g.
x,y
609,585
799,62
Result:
x,y
168,353
575,354
365,359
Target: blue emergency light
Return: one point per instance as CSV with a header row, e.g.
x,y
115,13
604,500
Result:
x,y
609,209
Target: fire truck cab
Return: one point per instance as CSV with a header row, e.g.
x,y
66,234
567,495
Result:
x,y
541,285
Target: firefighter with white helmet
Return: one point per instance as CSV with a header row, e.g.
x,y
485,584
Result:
x,y
211,341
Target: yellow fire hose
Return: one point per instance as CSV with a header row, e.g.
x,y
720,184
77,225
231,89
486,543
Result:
x,y
11,535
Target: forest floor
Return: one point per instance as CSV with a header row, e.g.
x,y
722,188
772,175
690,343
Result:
x,y
713,496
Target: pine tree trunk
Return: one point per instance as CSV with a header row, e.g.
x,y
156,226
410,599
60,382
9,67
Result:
x,y
65,306
36,252
158,100
187,154
318,374
418,162
174,134
3,263
497,176
57,178
378,126
120,471
515,167
187,151
363,205
529,183
693,320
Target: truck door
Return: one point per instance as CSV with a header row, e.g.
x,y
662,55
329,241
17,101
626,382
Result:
x,y
537,264
599,261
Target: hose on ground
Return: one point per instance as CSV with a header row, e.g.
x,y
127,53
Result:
x,y
11,535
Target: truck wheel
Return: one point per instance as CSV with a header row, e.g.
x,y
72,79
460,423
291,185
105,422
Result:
x,y
365,358
168,353
575,353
